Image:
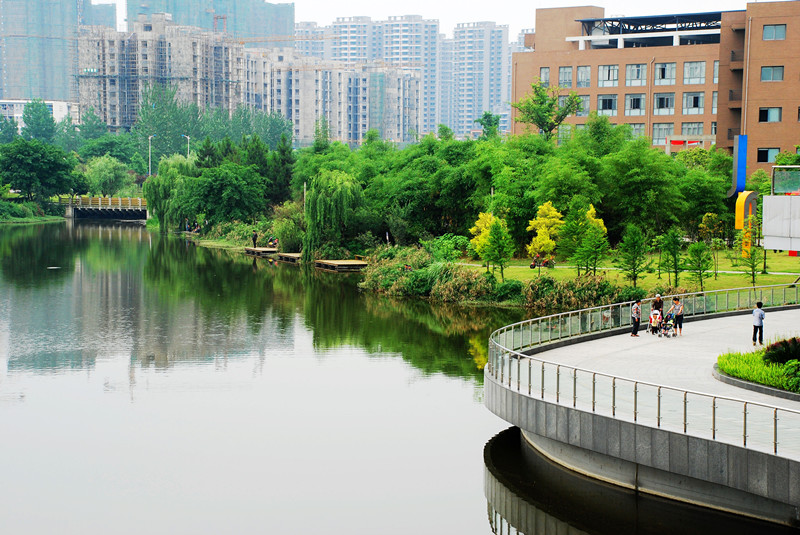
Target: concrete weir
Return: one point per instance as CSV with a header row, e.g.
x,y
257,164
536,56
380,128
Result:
x,y
646,413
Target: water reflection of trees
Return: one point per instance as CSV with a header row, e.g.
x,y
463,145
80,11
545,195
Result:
x,y
27,251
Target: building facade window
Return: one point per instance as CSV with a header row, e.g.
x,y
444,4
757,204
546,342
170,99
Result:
x,y
634,104
769,115
564,133
767,155
607,75
606,104
584,76
665,74
774,32
544,76
713,128
772,74
565,76
716,71
664,104
714,98
692,129
661,131
583,107
694,72
637,129
636,74
693,103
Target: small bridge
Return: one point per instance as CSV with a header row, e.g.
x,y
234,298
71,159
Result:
x,y
130,208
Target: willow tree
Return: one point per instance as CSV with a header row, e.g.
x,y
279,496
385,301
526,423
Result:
x,y
330,203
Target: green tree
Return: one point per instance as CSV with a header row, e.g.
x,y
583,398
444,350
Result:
x,y
546,225
119,146
579,219
592,249
542,109
749,261
107,175
699,263
671,245
39,122
632,254
67,136
490,124
162,116
231,192
9,129
499,246
37,169
92,126
322,136
331,203
480,232
281,164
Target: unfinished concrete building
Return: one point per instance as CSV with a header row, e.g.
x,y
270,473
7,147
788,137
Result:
x,y
204,67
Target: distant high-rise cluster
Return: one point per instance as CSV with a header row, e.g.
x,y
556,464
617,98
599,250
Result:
x,y
461,77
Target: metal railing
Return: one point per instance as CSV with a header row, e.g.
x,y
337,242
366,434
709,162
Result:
x,y
124,203
734,421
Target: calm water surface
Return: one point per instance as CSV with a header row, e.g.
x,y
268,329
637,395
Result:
x,y
147,385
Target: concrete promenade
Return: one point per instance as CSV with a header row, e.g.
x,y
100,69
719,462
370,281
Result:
x,y
685,362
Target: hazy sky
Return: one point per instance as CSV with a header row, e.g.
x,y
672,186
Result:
x,y
516,14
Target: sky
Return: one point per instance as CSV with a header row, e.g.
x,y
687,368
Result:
x,y
517,14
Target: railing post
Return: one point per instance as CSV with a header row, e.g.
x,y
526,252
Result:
x,y
558,383
714,418
518,372
635,400
613,396
542,380
658,410
685,403
775,430
529,376
594,389
574,387
744,425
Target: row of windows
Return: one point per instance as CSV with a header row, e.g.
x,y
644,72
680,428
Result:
x,y
694,72
659,133
635,104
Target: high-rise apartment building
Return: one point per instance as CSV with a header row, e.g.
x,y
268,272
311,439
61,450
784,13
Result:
x,y
696,77
313,40
213,70
38,46
257,22
480,74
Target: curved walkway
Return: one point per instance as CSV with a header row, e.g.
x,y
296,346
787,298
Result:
x,y
685,362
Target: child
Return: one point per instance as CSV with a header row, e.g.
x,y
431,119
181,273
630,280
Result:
x,y
655,320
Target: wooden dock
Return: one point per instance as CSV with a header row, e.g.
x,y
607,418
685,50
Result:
x,y
340,266
289,258
260,251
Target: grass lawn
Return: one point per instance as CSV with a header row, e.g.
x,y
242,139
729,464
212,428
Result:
x,y
519,270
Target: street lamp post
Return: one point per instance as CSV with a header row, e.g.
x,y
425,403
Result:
x,y
150,155
187,145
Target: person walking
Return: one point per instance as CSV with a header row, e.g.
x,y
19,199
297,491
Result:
x,y
677,310
758,323
636,317
255,238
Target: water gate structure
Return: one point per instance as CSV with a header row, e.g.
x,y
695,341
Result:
x,y
736,453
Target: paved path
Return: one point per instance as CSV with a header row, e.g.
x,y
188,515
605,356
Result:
x,y
684,363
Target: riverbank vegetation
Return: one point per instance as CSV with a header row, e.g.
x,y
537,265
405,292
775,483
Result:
x,y
777,365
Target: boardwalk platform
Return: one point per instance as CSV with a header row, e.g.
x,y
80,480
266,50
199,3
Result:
x,y
289,258
260,251
340,266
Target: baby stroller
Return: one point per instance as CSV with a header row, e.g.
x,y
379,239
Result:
x,y
667,327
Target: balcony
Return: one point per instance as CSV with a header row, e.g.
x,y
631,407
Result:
x,y
737,60
735,98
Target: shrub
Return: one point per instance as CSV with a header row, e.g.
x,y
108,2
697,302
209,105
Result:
x,y
546,295
791,374
665,290
629,293
463,285
782,351
509,291
752,367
